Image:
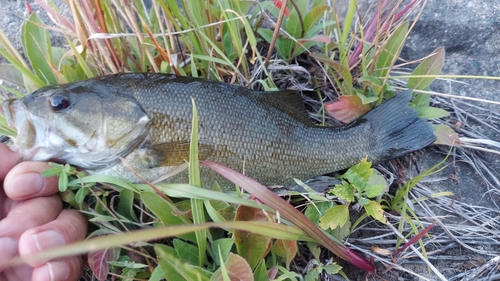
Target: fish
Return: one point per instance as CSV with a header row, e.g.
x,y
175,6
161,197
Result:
x,y
146,119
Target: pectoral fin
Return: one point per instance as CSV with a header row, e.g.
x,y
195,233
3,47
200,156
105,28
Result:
x,y
175,153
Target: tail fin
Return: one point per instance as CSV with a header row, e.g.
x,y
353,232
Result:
x,y
400,129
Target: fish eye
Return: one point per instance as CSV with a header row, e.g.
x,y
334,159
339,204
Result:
x,y
59,102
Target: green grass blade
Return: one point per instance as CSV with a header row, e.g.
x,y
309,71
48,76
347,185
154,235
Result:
x,y
195,179
390,52
270,229
81,60
7,46
432,65
36,43
351,13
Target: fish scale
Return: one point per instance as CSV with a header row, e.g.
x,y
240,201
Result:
x,y
268,135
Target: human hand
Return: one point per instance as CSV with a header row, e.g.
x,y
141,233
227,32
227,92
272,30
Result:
x,y
32,220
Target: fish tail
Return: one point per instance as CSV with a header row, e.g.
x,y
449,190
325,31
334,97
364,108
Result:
x,y
399,128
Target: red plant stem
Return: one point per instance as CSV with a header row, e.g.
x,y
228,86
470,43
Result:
x,y
291,214
369,33
414,239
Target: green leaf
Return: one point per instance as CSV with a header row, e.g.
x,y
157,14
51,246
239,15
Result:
x,y
164,252
221,247
376,186
362,169
166,212
67,168
446,135
374,83
38,49
162,209
332,268
63,181
80,195
343,231
315,211
366,99
53,171
126,206
260,272
313,274
344,191
284,46
313,16
251,245
186,252
432,65
266,34
390,51
175,269
363,201
157,274
335,217
375,211
432,113
421,101
341,69
12,75
292,25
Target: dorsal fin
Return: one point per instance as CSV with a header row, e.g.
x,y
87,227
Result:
x,y
290,102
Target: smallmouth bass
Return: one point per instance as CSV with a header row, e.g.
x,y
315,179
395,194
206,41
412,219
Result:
x,y
146,119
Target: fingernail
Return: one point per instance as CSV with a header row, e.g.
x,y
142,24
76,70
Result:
x,y
32,183
47,239
8,248
57,270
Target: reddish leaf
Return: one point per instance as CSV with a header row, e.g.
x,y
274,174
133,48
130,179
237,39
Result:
x,y
253,247
28,8
317,38
237,269
272,273
286,249
347,108
279,4
98,262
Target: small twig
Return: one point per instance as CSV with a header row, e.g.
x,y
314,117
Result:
x,y
276,31
451,96
494,262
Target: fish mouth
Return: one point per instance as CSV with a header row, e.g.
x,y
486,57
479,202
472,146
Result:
x,y
17,116
6,111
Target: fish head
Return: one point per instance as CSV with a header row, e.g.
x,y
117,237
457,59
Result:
x,y
89,127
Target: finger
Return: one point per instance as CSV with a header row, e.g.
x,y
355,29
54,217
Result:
x,y
28,214
9,160
63,270
69,227
23,216
25,181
